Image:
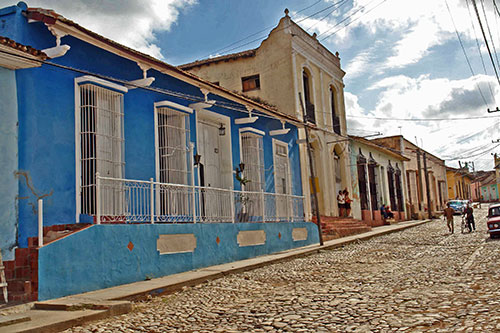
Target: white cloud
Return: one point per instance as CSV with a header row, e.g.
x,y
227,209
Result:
x,y
422,97
133,23
420,26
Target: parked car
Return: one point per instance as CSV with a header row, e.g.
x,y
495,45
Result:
x,y
494,220
457,205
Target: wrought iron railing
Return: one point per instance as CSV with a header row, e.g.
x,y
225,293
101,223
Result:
x,y
137,201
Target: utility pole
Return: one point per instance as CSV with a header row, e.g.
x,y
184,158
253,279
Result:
x,y
309,153
420,188
427,186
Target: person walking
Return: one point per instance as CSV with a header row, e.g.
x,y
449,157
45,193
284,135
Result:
x,y
469,215
448,212
341,203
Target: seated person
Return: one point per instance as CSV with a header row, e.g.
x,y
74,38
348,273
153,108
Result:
x,y
388,212
383,212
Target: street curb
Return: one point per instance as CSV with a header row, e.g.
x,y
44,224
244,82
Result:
x,y
204,275
274,258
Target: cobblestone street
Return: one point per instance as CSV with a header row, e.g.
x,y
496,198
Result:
x,y
421,279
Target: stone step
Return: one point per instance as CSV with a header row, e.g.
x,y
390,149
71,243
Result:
x,y
13,319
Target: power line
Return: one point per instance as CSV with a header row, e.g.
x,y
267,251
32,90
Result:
x,y
465,53
422,119
475,155
350,22
341,3
478,46
485,39
258,32
259,38
489,32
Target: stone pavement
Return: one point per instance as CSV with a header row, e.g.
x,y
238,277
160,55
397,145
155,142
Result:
x,y
53,315
422,279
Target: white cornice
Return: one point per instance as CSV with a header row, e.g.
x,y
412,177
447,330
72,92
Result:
x,y
15,59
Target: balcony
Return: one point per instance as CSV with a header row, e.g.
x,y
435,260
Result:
x,y
310,114
136,201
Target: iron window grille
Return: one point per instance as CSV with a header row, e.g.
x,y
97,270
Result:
x,y
101,143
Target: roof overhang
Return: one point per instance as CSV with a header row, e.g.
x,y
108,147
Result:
x,y
16,59
77,31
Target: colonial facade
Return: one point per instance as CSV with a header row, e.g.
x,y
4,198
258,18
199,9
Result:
x,y
413,171
157,169
377,179
293,70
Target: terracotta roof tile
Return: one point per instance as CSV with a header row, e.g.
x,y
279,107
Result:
x,y
23,48
226,57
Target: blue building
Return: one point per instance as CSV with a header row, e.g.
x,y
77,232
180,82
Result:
x,y
142,169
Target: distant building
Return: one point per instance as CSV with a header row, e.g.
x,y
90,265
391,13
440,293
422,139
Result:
x,y
413,170
291,61
459,183
377,179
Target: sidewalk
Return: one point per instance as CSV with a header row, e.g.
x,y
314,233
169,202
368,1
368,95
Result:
x,y
62,313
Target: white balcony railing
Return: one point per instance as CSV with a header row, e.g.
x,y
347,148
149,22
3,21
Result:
x,y
137,201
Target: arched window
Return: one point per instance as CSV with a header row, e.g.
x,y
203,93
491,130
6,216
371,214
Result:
x,y
335,115
306,79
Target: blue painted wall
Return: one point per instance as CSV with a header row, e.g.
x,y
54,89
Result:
x,y
8,163
46,115
98,257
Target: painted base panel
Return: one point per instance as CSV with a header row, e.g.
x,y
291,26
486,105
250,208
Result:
x,y
103,256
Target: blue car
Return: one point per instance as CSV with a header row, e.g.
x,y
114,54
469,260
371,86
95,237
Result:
x,y
457,205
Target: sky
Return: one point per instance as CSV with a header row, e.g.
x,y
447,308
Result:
x,y
406,72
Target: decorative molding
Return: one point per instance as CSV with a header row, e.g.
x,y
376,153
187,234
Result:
x,y
100,82
299,234
176,243
251,129
173,105
251,238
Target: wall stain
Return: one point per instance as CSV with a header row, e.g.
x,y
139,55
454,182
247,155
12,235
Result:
x,y
31,187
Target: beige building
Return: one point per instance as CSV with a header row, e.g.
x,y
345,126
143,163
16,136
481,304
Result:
x,y
415,190
289,62
377,179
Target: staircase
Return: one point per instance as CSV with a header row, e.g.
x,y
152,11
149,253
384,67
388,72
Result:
x,y
22,272
337,227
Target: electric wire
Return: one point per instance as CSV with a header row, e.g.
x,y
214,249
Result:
x,y
341,3
478,47
259,38
475,155
489,32
485,40
350,22
423,119
256,33
465,53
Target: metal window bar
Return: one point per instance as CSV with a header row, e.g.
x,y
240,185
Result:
x,y
181,204
174,163
101,144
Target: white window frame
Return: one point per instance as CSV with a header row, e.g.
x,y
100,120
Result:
x,y
260,135
172,106
77,83
277,142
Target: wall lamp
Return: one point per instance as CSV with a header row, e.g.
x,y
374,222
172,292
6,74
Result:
x,y
197,158
222,130
239,169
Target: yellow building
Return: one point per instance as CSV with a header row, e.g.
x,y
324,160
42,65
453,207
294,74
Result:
x,y
288,63
459,183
